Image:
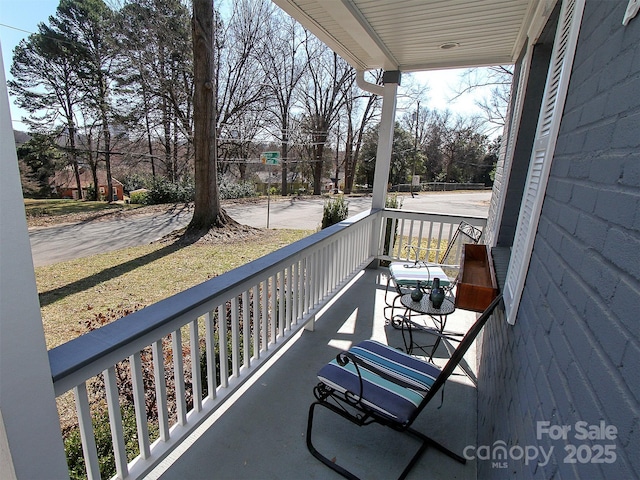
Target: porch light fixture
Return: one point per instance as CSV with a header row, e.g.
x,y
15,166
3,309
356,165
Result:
x,y
449,45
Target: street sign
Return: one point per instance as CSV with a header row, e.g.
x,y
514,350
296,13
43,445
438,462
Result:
x,y
270,158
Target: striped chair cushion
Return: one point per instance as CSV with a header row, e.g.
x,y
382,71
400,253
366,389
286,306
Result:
x,y
396,400
405,274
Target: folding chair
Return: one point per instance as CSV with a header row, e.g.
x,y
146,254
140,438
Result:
x,y
407,276
374,383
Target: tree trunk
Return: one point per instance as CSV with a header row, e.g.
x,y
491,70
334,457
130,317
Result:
x,y
317,167
349,160
208,212
285,170
107,160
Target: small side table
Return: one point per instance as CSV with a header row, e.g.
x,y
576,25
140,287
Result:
x,y
425,307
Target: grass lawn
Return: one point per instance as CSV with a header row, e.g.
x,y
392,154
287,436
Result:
x,y
105,287
55,207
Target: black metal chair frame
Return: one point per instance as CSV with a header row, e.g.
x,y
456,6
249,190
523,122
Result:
x,y
465,231
408,326
350,406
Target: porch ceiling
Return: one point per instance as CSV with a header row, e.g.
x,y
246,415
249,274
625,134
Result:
x,y
407,35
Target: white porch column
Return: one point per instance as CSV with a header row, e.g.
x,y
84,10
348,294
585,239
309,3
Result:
x,y
30,440
391,81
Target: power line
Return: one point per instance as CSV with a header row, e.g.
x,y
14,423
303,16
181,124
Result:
x,y
16,28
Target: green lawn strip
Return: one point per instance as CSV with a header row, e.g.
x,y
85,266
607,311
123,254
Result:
x,y
56,207
102,288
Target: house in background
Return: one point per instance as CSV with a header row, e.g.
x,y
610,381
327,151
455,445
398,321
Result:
x,y
559,369
64,184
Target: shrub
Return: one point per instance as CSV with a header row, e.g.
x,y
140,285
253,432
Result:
x,y
165,191
140,198
235,190
393,201
136,181
335,210
104,444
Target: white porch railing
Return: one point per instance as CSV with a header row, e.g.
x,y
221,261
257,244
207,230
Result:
x,y
430,233
244,317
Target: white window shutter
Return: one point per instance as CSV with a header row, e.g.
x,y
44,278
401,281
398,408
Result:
x,y
543,149
496,208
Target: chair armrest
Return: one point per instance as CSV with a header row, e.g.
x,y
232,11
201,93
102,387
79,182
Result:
x,y
344,357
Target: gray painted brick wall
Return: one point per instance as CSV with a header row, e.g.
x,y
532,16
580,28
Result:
x,y
574,353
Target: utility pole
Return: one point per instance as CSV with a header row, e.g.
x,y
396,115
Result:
x,y
415,148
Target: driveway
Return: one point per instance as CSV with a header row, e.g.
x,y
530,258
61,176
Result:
x,y
65,242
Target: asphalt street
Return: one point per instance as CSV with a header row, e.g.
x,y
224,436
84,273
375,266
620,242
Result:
x,y
65,242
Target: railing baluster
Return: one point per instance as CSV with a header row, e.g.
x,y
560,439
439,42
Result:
x,y
356,244
439,250
178,376
140,404
333,252
318,277
86,432
115,421
223,352
211,355
289,296
295,293
274,308
235,338
327,267
360,243
382,236
307,283
281,302
255,295
392,239
246,330
337,262
196,380
301,289
401,236
346,252
324,278
430,246
314,284
161,389
410,238
455,254
264,315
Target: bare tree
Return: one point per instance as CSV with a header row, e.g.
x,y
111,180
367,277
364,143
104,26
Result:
x,y
323,98
494,106
284,66
360,110
240,84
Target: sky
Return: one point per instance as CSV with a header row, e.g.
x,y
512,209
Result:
x,y
19,18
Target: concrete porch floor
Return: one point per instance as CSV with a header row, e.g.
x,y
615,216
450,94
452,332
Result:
x,y
262,434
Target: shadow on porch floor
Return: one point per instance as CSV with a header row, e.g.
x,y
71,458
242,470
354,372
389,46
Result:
x,y
262,434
